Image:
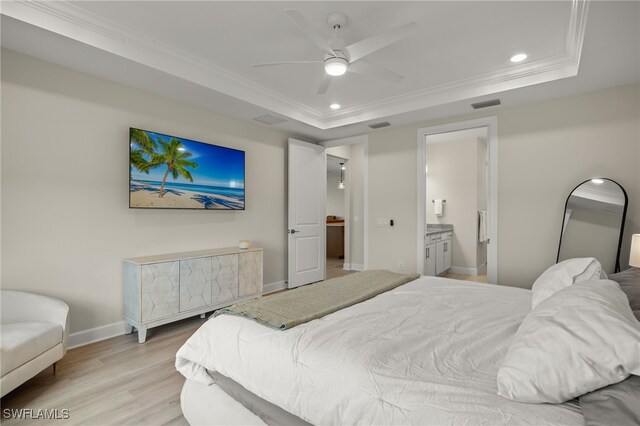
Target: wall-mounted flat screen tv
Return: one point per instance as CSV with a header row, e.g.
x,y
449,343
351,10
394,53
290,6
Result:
x,y
167,172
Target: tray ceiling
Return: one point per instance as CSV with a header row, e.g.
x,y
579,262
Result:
x,y
460,52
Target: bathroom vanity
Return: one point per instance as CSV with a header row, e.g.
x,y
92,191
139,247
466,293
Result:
x,y
437,250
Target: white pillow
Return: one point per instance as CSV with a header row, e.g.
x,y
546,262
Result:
x,y
580,339
564,274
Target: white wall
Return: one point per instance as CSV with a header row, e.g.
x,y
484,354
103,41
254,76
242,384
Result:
x,y
66,225
545,150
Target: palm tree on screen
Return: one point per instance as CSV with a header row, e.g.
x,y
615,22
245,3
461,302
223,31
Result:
x,y
173,155
144,145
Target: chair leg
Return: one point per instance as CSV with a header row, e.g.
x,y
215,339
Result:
x,y
55,367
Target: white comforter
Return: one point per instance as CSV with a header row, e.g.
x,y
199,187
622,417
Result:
x,y
425,353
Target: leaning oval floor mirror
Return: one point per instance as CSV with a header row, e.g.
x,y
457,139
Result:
x,y
593,223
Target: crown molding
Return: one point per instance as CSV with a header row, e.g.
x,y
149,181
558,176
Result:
x,y
64,18
68,20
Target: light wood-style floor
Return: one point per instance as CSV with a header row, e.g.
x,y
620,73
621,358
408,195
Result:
x,y
335,268
476,278
117,381
113,382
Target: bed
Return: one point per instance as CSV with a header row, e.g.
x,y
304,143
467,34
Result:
x,y
426,352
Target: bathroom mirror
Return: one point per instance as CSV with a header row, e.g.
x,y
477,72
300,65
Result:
x,y
593,223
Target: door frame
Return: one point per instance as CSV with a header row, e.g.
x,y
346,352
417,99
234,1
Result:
x,y
491,123
362,139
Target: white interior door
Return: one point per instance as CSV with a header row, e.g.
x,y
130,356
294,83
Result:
x,y
307,219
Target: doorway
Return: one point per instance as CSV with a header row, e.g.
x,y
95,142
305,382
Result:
x,y
346,206
336,204
456,204
457,200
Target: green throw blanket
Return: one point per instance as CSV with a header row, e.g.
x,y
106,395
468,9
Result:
x,y
303,304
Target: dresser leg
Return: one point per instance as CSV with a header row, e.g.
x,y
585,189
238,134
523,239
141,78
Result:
x,y
128,328
202,316
142,334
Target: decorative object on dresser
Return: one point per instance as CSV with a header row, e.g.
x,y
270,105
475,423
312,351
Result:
x,y
166,288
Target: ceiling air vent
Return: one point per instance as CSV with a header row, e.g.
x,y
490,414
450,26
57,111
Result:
x,y
269,119
379,125
486,104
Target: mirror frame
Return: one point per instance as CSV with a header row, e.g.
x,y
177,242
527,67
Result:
x,y
624,217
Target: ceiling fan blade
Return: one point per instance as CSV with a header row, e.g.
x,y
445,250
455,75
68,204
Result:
x,y
270,64
365,47
324,84
306,27
364,67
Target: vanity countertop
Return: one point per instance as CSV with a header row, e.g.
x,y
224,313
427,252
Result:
x,y
437,228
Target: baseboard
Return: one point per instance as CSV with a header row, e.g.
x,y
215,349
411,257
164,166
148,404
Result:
x,y
97,334
108,331
353,267
463,271
275,286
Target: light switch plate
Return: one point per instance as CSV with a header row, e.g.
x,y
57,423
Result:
x,y
383,221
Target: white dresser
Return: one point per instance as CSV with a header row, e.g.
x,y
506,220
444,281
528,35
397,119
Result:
x,y
165,288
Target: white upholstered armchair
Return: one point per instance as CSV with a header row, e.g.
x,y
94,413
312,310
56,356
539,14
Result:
x,y
34,334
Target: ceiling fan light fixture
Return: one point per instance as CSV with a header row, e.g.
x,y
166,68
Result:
x,y
518,57
335,66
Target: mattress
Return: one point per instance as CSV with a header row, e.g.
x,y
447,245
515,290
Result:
x,y
424,353
226,403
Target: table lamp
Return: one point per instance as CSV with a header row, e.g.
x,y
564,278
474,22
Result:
x,y
634,258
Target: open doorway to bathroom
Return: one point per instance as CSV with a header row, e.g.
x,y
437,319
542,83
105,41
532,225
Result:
x,y
457,201
456,204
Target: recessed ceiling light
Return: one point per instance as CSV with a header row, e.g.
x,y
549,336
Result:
x,y
598,181
334,106
519,57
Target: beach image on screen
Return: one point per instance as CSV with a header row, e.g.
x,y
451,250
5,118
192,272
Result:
x,y
176,173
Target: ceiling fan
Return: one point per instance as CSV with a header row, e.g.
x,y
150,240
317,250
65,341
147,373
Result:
x,y
340,58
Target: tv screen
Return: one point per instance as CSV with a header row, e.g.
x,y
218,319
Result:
x,y
167,172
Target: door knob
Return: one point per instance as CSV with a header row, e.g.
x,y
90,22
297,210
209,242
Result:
x,y
293,231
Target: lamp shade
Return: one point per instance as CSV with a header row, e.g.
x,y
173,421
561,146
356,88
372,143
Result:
x,y
634,258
